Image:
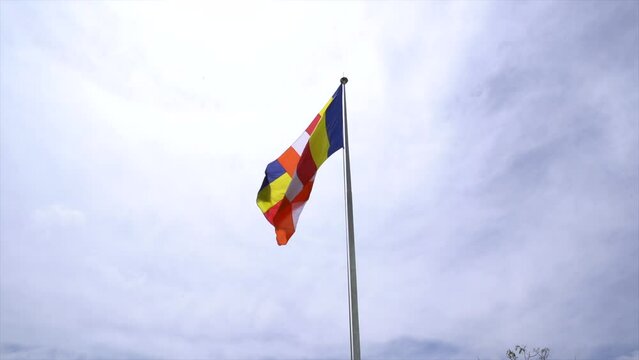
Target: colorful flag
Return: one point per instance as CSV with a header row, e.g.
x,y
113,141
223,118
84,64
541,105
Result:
x,y
289,179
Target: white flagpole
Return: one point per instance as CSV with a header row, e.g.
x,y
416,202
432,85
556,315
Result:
x,y
352,276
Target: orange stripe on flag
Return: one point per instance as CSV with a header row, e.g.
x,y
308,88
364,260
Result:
x,y
289,160
283,222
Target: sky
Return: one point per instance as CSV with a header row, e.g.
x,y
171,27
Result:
x,y
495,168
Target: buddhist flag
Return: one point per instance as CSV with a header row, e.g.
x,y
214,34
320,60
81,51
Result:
x,y
289,179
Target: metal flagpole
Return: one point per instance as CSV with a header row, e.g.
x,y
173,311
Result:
x,y
352,276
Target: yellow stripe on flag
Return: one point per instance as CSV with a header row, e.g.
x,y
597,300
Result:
x,y
273,193
319,143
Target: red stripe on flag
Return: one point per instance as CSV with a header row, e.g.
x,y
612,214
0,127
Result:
x,y
313,124
305,193
270,213
306,168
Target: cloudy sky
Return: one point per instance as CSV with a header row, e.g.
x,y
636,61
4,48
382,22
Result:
x,y
495,165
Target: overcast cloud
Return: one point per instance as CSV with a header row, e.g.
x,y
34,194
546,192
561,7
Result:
x,y
495,160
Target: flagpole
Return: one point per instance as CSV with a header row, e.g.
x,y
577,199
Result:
x,y
352,276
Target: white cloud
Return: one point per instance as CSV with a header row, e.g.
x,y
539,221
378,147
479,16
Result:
x,y
632,356
58,215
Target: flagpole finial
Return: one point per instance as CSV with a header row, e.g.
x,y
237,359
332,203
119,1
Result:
x,y
343,80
